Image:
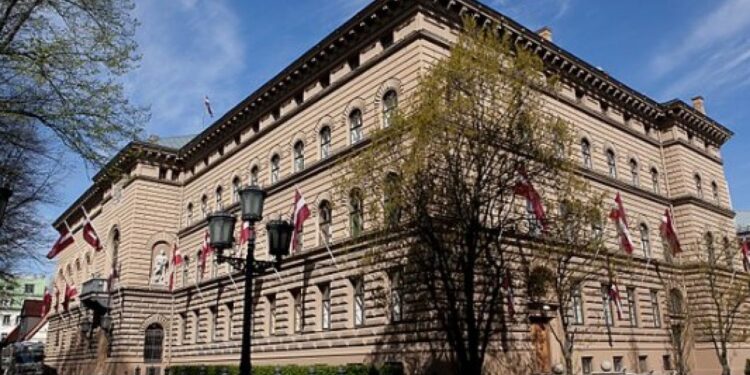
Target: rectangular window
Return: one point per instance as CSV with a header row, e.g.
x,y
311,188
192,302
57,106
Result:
x,y
632,307
396,297
577,306
666,362
655,310
617,363
28,288
359,303
272,315
643,363
299,317
606,306
587,365
196,325
6,320
230,313
214,324
184,328
325,307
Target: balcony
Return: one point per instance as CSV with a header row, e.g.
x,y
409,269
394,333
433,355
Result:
x,y
95,295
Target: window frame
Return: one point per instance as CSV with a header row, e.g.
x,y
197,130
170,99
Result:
x,y
356,123
299,156
389,107
611,163
586,153
358,303
275,167
325,142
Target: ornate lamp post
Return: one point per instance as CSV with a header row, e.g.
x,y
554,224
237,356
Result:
x,y
221,230
5,194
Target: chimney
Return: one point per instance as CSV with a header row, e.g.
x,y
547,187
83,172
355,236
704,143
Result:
x,y
698,104
546,33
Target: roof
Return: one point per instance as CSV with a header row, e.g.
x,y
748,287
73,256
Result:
x,y
32,308
11,338
176,142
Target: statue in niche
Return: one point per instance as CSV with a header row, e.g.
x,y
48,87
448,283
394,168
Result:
x,y
160,269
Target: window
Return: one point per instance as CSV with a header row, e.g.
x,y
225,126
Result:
x,y
396,297
617,363
325,307
29,288
271,315
298,318
189,213
643,363
632,307
204,206
6,320
391,206
152,348
299,156
666,362
612,163
355,126
587,365
655,310
606,305
184,328
586,153
214,323
675,302
275,161
324,221
577,305
254,176
655,180
236,186
535,227
359,302
219,198
715,191
390,103
645,241
698,186
325,142
634,175
230,314
185,270
355,212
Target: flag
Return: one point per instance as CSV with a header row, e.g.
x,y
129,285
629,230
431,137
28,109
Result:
x,y
245,232
746,254
526,189
176,256
89,234
65,240
621,222
508,286
668,232
614,295
207,103
301,213
70,293
206,251
46,302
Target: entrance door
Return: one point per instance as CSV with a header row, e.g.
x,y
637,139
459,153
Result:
x,y
540,342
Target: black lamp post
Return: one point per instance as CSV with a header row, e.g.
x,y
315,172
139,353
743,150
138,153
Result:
x,y
5,194
221,230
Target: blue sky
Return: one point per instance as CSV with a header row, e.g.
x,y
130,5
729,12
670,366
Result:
x,y
227,48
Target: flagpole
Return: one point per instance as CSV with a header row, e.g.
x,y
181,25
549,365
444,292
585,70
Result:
x,y
328,248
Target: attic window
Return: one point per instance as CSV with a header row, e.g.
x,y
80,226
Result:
x,y
579,94
276,113
325,80
299,98
386,40
604,106
353,62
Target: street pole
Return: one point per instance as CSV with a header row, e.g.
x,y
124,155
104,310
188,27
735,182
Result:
x,y
246,366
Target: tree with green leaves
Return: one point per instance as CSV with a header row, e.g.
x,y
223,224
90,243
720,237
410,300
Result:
x,y
440,187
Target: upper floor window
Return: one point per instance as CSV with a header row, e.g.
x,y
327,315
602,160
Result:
x,y
607,305
576,305
612,163
325,307
325,142
254,176
299,156
586,153
189,213
219,198
698,185
359,302
655,309
28,288
634,173
275,165
391,204
272,315
708,238
204,206
355,212
645,241
715,191
632,307
324,221
355,126
236,186
655,180
390,103
535,227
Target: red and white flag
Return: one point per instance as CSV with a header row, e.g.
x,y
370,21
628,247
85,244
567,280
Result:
x,y
206,251
46,302
614,296
207,103
526,189
508,286
621,222
176,256
70,293
669,233
245,232
746,254
301,213
90,236
62,243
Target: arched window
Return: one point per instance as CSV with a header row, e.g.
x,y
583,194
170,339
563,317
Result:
x,y
359,302
355,212
645,241
586,153
390,103
391,203
299,156
612,163
189,213
115,251
254,176
219,204
698,185
236,186
655,180
204,206
634,173
154,341
325,142
715,191
324,221
298,318
355,126
275,164
535,227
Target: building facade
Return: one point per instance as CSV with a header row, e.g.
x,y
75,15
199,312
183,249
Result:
x,y
14,295
290,134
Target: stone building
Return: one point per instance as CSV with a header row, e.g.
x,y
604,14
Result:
x,y
288,135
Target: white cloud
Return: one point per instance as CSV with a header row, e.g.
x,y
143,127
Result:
x,y
539,11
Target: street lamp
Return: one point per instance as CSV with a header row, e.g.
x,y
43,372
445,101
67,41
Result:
x,y
221,230
5,194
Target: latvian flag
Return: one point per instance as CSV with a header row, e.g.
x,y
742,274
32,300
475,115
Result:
x,y
621,222
301,213
70,293
245,232
206,251
176,261
46,302
746,254
525,189
614,296
669,233
65,240
89,234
